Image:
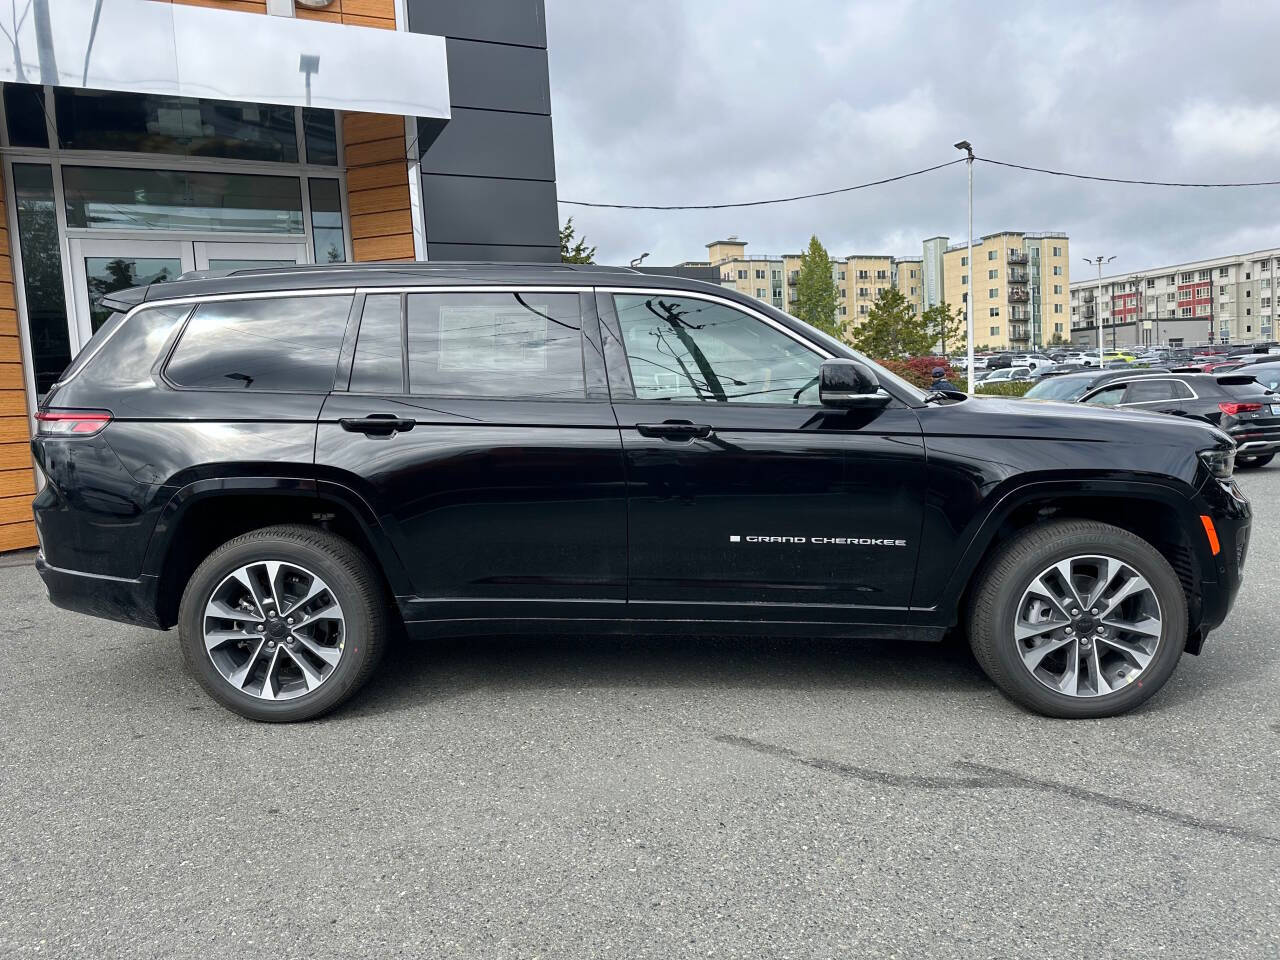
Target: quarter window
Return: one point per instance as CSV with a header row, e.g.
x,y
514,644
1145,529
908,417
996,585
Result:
x,y
378,366
496,345
687,349
284,344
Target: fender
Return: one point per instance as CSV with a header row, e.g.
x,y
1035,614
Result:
x,y
1000,505
322,492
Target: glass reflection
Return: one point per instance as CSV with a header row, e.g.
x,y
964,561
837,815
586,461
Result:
x,y
115,198
41,273
104,275
326,221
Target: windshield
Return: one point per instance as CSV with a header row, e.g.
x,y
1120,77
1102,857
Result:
x,y
1058,388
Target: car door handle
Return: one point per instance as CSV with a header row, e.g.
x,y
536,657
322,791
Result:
x,y
377,424
674,430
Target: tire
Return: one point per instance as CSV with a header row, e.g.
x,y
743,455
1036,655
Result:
x,y
1007,588
1261,460
314,666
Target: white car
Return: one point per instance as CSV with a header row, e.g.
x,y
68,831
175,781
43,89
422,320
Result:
x,y
1004,375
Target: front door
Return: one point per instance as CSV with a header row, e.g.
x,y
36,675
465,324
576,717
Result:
x,y
489,452
746,498
102,265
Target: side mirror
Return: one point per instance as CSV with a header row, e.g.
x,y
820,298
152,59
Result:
x,y
849,384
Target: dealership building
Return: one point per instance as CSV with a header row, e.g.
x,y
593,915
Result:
x,y
145,138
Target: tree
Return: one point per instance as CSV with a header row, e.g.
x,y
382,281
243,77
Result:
x,y
892,330
944,326
574,251
816,291
1059,341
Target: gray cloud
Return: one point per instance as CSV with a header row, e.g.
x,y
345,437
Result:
x,y
670,102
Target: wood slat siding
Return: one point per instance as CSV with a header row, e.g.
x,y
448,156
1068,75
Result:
x,y
17,477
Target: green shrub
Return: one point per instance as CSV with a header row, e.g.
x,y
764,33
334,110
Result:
x,y
1011,388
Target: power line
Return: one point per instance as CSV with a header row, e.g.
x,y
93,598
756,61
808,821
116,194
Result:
x,y
1145,183
761,203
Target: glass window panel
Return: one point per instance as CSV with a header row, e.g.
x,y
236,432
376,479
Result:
x,y
1147,391
248,264
378,366
285,344
125,360
41,272
319,130
24,113
149,123
326,221
114,198
495,345
105,275
688,349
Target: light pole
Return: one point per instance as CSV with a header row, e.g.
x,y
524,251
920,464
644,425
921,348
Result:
x,y
967,147
639,260
1097,306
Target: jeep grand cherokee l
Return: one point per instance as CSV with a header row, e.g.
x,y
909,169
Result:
x,y
288,464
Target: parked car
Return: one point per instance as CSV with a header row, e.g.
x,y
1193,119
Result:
x,y
290,464
1004,375
1057,370
1246,410
1073,386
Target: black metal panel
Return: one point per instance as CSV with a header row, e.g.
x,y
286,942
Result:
x,y
490,210
498,21
506,253
487,143
496,76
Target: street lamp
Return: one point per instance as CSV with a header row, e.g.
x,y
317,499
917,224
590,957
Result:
x,y
638,260
967,147
1097,307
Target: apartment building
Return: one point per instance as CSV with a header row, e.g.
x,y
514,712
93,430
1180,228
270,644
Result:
x,y
1022,291
773,279
1020,284
1229,299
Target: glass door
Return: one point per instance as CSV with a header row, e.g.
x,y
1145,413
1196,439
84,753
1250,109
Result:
x,y
102,266
236,255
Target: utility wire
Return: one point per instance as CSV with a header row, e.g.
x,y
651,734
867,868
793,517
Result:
x,y
1145,183
760,203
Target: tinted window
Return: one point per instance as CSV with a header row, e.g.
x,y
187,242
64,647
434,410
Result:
x,y
495,345
42,272
1148,391
378,366
1058,388
1251,390
127,355
1108,396
687,349
286,344
24,111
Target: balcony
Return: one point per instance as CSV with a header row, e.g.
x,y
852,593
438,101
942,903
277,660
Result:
x,y
1016,257
793,278
1087,312
1018,296
1019,313
1017,276
1019,334
1088,297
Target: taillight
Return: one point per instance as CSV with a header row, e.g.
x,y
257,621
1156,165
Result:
x,y
71,423
1231,409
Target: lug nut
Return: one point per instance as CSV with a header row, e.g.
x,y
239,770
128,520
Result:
x,y
1075,613
1102,630
271,644
261,628
289,621
1071,630
1094,611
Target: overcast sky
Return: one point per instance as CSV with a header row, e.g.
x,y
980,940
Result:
x,y
701,102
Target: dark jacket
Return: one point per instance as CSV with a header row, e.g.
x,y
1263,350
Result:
x,y
942,383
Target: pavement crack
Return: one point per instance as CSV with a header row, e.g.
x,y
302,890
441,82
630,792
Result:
x,y
979,776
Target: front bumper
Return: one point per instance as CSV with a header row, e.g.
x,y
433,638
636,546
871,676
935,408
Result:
x,y
113,598
1222,574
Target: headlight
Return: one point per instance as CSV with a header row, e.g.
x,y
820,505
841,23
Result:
x,y
1221,463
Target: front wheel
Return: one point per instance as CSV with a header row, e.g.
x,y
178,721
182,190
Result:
x,y
283,623
1078,619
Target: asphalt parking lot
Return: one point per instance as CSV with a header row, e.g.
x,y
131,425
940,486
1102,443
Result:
x,y
638,798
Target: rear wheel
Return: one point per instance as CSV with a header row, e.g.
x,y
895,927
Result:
x,y
1260,460
283,623
1077,618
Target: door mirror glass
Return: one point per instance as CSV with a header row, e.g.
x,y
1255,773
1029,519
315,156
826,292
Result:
x,y
848,383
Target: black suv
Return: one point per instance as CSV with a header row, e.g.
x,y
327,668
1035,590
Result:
x,y
289,464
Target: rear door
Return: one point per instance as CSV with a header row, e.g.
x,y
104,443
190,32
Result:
x,y
476,423
747,498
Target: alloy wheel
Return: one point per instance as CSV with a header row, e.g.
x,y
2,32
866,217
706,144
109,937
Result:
x,y
274,630
1088,626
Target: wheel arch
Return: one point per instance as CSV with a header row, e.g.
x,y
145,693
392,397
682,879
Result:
x,y
203,515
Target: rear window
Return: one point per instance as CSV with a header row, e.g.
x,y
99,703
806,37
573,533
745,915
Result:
x,y
1245,390
278,344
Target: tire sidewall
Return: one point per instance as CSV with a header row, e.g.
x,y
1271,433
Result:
x,y
1173,614
358,626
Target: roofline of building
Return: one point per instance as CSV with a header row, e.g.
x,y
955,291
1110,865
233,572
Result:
x,y
1265,254
713,243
